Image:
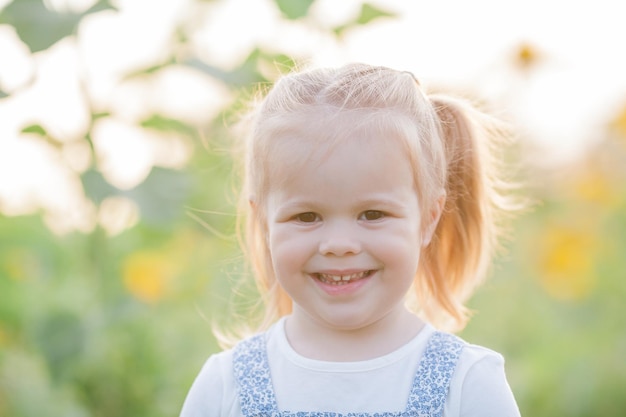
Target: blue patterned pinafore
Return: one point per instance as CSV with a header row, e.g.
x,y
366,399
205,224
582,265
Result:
x,y
427,396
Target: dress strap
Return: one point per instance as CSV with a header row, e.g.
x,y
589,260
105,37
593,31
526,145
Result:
x,y
426,399
252,373
432,380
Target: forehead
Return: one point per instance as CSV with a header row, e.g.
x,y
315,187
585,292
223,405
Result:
x,y
311,139
358,171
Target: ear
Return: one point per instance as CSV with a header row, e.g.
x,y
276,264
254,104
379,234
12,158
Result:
x,y
434,214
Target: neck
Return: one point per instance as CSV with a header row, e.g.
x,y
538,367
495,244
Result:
x,y
319,341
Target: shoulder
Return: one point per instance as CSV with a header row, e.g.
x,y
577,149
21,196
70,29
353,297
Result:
x,y
479,386
476,355
213,392
469,355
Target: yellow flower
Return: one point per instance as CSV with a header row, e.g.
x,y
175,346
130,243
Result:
x,y
21,264
4,336
567,263
526,57
619,124
146,275
594,186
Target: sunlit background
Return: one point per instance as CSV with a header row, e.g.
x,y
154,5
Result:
x,y
117,233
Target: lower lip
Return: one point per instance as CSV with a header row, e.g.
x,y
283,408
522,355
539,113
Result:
x,y
343,289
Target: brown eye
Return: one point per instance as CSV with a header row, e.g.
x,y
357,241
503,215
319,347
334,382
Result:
x,y
372,215
308,217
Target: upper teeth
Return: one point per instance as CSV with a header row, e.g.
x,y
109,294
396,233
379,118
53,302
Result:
x,y
336,278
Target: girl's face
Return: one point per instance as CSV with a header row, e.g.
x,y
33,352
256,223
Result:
x,y
344,232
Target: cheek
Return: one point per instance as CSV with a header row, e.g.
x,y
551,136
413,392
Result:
x,y
400,249
288,246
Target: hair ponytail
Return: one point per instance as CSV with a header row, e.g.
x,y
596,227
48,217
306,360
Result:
x,y
457,259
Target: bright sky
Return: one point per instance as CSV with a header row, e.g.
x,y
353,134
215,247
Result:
x,y
579,81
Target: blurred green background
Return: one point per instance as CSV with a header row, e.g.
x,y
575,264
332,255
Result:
x,y
117,226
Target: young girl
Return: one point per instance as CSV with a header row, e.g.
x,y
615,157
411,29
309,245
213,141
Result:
x,y
371,219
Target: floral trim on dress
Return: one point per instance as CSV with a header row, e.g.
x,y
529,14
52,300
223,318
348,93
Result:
x,y
427,396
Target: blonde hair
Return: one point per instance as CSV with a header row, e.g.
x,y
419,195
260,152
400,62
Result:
x,y
448,143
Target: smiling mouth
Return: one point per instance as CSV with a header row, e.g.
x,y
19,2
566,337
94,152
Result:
x,y
342,279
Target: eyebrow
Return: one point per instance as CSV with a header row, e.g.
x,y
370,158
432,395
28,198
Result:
x,y
313,205
298,204
382,201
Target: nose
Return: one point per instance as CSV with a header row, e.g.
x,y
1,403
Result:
x,y
339,241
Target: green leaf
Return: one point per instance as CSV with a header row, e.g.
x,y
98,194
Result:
x,y
294,9
166,124
368,14
35,129
39,27
284,62
61,338
161,196
243,76
3,94
96,187
249,72
39,130
101,5
151,70
36,25
101,115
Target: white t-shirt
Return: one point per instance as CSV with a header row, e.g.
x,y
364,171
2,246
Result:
x,y
478,387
